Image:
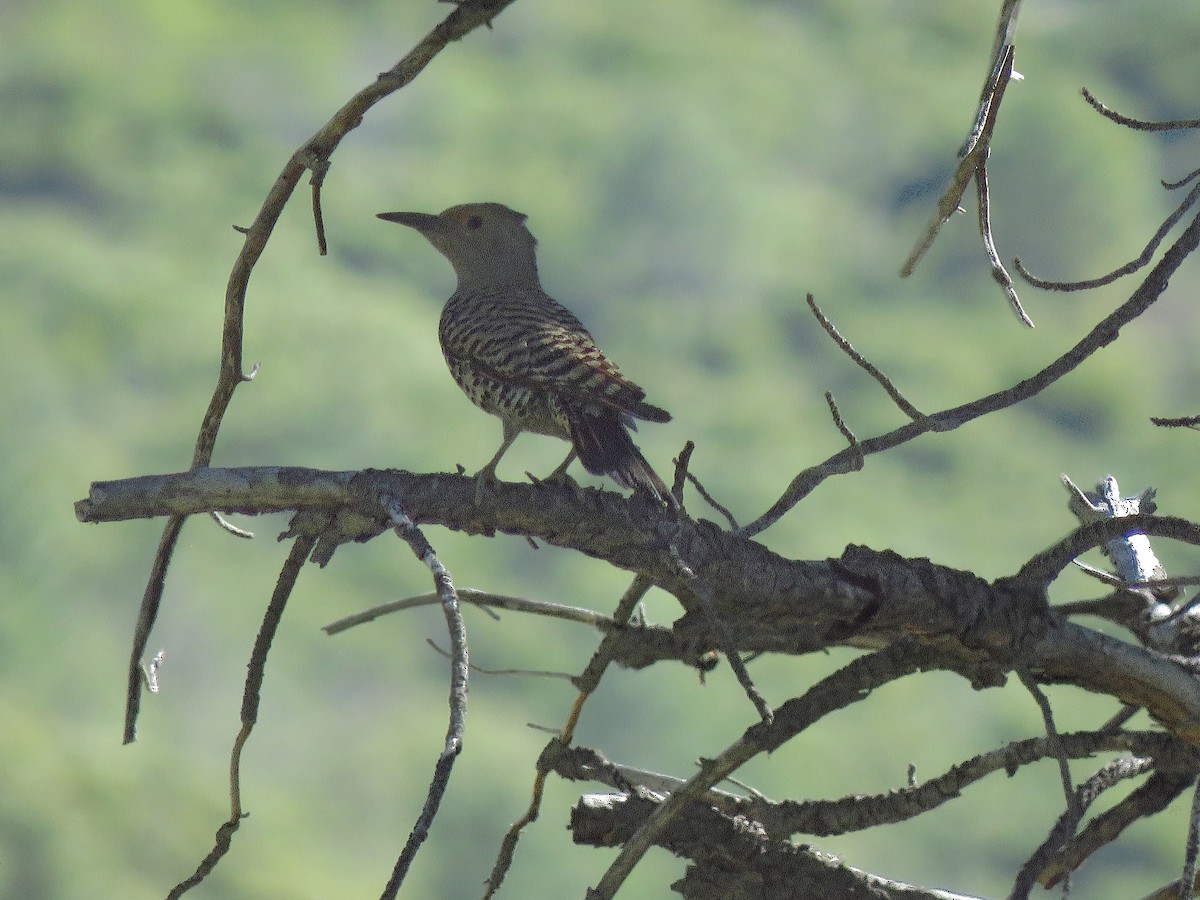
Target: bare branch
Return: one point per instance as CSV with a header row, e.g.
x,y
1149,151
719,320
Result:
x,y
251,696
983,200
973,165
681,470
844,687
313,155
524,673
857,812
977,141
682,474
732,858
862,362
1063,830
460,668
1068,823
1104,333
586,683
1048,565
1137,124
841,425
1131,553
1144,801
723,639
221,845
1143,260
1184,422
865,598
144,624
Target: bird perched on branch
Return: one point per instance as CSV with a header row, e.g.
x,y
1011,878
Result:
x,y
522,356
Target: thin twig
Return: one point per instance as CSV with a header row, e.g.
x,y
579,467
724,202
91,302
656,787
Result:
x,y
846,686
1137,124
586,683
1068,822
863,363
230,527
1175,185
589,679
1064,770
974,153
482,599
1184,422
221,844
313,155
144,623
683,474
857,462
1047,565
319,166
681,470
1119,718
1133,265
1063,832
256,670
460,669
983,197
524,673
712,501
1147,799
1102,334
859,812
705,593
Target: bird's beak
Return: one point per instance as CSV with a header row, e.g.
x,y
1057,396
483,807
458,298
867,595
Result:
x,y
422,222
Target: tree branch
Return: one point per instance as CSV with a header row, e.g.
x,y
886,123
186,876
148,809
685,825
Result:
x,y
314,155
1103,334
865,598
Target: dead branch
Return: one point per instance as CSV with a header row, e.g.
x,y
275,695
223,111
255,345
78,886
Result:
x,y
973,162
864,598
863,363
1128,268
313,155
1137,124
1104,333
460,668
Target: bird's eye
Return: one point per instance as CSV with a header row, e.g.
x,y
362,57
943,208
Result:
x,y
475,222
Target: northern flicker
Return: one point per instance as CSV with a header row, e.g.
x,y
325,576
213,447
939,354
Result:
x,y
522,356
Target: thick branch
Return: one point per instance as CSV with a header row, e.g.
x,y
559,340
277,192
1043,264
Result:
x,y
865,598
732,858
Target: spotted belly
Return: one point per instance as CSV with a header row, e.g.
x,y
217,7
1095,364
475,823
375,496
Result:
x,y
530,410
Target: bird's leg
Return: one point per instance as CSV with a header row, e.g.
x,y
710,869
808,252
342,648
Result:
x,y
486,476
560,475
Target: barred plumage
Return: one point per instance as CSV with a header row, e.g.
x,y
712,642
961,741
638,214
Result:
x,y
523,356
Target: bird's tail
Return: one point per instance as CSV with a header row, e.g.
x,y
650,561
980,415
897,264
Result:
x,y
605,448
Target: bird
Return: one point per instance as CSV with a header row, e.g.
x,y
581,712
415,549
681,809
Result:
x,y
522,356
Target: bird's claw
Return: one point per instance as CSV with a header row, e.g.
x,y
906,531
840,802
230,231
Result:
x,y
485,481
558,477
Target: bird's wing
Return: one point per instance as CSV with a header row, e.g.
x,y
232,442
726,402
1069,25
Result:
x,y
556,353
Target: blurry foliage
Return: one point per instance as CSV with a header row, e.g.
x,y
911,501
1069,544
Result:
x,y
692,169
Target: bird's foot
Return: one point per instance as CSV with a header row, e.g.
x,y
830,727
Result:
x,y
558,476
485,483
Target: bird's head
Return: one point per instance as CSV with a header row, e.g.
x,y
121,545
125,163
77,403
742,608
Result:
x,y
486,243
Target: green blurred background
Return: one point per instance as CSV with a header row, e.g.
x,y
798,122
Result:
x,y
692,168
